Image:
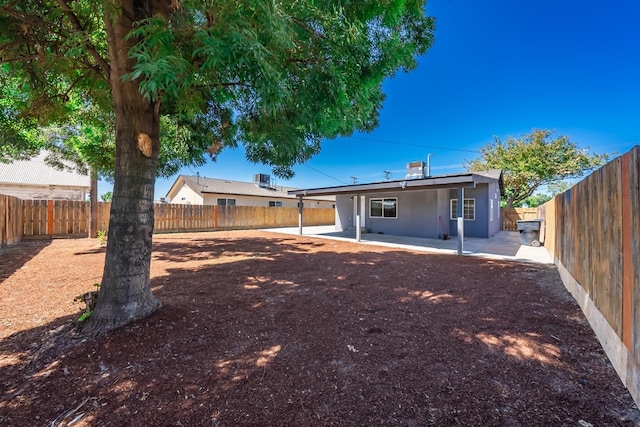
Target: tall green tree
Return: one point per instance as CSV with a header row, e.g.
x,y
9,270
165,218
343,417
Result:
x,y
273,76
533,160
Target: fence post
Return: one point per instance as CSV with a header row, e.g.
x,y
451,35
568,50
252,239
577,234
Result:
x,y
49,216
5,226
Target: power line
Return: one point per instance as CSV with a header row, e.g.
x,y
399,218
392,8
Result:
x,y
415,145
322,173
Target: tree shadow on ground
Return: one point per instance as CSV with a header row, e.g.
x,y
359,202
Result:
x,y
288,331
13,257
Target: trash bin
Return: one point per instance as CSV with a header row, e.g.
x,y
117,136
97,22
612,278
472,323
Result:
x,y
531,231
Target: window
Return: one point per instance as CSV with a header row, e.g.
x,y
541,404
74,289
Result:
x,y
491,210
468,209
383,208
226,202
275,203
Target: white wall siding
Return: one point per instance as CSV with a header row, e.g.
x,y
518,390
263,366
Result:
x,y
44,192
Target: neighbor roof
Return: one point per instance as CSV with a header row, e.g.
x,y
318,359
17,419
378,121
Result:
x,y
469,180
37,172
202,185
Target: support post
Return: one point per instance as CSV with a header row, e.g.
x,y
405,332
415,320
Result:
x,y
358,226
300,207
460,220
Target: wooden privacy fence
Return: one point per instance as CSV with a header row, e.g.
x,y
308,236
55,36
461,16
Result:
x,y
593,233
173,218
68,218
10,220
33,219
509,217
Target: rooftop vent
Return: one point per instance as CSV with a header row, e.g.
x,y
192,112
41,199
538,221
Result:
x,y
415,170
262,180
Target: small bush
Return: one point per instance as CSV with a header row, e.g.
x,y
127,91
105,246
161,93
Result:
x,y
102,237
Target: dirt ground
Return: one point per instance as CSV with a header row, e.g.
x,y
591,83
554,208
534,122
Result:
x,y
267,329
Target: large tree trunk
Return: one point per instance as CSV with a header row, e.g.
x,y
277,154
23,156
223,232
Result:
x,y
125,293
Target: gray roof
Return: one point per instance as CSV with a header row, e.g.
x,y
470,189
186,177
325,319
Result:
x,y
468,179
36,172
226,186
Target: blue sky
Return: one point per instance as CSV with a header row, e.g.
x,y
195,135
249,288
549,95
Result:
x,y
497,68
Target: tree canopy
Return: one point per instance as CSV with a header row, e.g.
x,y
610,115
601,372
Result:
x,y
175,80
535,159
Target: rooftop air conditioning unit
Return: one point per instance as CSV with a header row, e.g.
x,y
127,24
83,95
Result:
x,y
415,170
262,180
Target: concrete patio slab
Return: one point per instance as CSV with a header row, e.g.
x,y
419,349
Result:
x,y
504,245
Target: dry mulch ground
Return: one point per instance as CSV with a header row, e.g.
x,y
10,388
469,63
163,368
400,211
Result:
x,y
267,329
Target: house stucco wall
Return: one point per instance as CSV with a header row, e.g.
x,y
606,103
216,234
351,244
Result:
x,y
344,212
186,196
419,213
494,220
481,226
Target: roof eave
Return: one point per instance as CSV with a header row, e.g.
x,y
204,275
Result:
x,y
380,187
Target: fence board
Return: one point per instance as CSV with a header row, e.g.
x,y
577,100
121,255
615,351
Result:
x,y
39,218
4,220
593,229
10,220
103,213
34,214
634,236
509,217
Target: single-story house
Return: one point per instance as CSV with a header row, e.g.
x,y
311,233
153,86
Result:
x,y
465,204
34,179
196,190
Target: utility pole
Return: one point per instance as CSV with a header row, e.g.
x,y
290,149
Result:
x,y
386,175
354,180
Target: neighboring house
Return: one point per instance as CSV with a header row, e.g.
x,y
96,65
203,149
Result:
x,y
33,179
195,190
419,205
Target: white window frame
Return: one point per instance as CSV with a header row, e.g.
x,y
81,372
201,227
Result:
x,y
275,203
453,213
227,202
382,200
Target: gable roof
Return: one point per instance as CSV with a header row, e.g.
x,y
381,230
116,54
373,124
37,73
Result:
x,y
202,186
37,172
469,180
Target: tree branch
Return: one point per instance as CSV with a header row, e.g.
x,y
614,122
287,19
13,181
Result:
x,y
75,22
301,24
